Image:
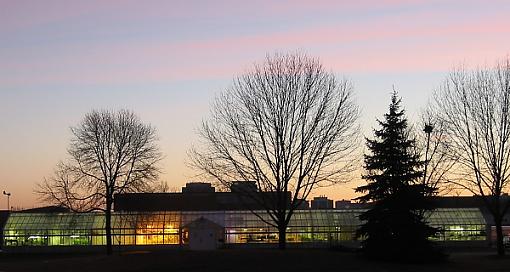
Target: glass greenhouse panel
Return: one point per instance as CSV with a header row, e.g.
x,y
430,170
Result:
x,y
169,228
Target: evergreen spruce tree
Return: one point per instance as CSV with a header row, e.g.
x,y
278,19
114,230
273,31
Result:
x,y
394,227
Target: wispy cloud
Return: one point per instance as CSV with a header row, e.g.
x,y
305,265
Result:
x,y
410,41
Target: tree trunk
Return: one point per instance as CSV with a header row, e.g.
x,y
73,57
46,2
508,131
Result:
x,y
282,234
499,235
108,226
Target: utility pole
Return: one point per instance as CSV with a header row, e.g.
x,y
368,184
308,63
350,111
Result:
x,y
8,200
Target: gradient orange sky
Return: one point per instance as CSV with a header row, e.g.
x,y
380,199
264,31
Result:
x,y
166,60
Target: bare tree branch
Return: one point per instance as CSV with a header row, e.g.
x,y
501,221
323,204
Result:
x,y
110,153
288,125
474,108
434,147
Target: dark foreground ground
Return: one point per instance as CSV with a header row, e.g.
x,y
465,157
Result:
x,y
242,260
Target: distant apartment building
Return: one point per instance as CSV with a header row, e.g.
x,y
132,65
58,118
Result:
x,y
321,203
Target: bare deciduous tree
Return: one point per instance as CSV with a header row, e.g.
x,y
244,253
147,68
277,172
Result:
x,y
288,125
110,153
474,107
434,149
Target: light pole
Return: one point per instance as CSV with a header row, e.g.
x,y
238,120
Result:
x,y
428,130
8,198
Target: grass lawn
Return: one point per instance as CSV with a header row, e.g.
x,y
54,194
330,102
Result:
x,y
241,260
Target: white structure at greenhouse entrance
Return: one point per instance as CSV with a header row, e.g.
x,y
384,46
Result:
x,y
204,234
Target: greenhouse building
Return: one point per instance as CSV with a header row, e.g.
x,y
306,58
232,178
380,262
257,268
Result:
x,y
307,227
200,218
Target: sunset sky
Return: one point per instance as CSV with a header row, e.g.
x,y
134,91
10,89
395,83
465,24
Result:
x,y
166,60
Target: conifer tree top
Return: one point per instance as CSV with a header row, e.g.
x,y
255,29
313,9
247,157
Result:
x,y
392,162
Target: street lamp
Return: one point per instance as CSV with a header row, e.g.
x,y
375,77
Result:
x,y
8,196
428,130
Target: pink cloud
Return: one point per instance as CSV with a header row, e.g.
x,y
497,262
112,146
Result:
x,y
417,41
23,14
